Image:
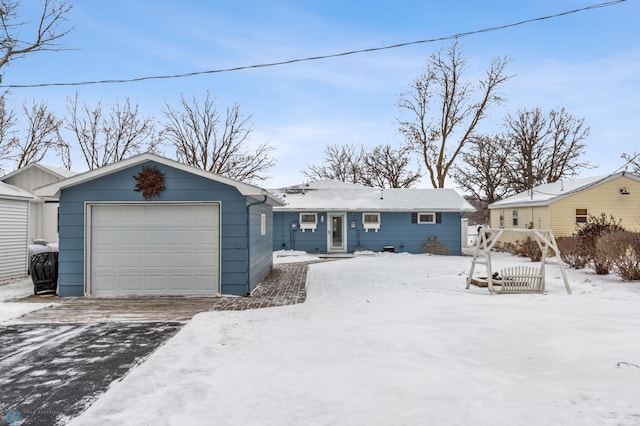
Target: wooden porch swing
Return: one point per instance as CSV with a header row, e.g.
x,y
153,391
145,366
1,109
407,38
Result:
x,y
515,279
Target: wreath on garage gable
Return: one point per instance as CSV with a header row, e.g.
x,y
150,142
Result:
x,y
150,182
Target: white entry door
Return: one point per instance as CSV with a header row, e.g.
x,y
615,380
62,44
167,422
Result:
x,y
337,232
154,249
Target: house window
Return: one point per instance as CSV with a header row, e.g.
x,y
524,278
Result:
x,y
501,218
308,221
263,224
582,216
515,217
371,221
426,218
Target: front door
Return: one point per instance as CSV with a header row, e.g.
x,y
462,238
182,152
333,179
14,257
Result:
x,y
337,238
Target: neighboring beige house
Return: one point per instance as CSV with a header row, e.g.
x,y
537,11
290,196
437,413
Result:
x,y
43,212
562,206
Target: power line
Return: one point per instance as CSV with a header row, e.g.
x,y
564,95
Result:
x,y
320,57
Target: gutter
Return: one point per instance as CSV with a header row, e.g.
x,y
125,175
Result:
x,y
249,241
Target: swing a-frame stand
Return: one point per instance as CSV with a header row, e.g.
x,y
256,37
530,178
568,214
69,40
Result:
x,y
516,279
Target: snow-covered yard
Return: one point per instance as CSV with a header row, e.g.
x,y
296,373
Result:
x,y
395,339
16,289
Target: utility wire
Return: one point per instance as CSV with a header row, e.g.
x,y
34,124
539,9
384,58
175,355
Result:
x,y
315,58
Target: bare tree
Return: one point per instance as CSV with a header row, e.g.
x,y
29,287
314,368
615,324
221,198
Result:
x,y
483,173
444,109
106,138
8,140
544,149
64,151
385,167
344,163
20,36
42,133
204,138
633,160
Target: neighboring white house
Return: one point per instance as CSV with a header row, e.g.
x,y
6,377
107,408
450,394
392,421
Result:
x,y
43,212
14,225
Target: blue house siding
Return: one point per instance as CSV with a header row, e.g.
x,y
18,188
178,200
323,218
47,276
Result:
x,y
261,255
396,229
180,186
285,237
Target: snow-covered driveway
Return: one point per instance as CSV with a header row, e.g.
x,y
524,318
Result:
x,y
395,339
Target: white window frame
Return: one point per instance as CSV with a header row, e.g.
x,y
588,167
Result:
x,y
263,224
514,217
308,225
371,225
430,222
501,218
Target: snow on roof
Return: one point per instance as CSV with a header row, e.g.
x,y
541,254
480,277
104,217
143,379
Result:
x,y
546,193
331,195
13,192
56,171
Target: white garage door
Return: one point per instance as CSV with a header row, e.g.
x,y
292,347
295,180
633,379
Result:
x,y
154,249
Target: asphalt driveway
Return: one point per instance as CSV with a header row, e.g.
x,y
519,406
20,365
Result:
x,y
50,373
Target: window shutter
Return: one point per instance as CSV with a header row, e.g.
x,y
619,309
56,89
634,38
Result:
x,y
438,217
414,217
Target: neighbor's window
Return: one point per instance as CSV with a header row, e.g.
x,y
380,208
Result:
x,y
308,221
263,224
426,218
515,217
582,216
371,221
501,218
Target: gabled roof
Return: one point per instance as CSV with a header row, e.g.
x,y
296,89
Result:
x,y
53,189
56,171
338,196
543,195
13,192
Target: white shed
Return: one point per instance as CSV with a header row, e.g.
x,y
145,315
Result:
x,y
14,231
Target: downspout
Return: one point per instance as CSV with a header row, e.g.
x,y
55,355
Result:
x,y
249,242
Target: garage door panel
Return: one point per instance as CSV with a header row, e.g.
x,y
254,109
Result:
x,y
182,260
106,260
155,236
182,282
206,257
202,280
104,237
155,260
155,283
205,237
182,236
129,259
155,249
130,237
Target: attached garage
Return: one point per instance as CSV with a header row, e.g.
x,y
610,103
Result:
x,y
154,249
149,225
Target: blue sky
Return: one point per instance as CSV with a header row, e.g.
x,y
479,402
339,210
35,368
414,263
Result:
x,y
588,63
